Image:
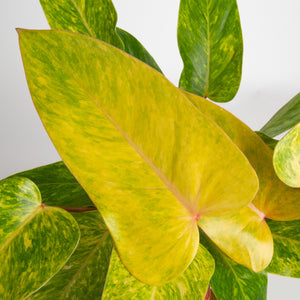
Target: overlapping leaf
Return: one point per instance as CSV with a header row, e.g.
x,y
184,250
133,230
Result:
x,y
233,281
287,117
96,19
286,258
192,284
36,241
128,147
286,159
275,199
268,140
211,46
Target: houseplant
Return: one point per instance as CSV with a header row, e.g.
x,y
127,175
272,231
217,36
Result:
x,y
50,196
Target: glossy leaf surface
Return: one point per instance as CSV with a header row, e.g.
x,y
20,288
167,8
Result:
x,y
211,46
128,147
286,159
286,258
268,140
96,19
37,241
58,186
234,281
192,284
244,236
84,275
274,198
93,18
287,117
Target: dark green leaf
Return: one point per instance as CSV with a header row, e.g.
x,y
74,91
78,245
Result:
x,y
287,117
211,46
36,241
233,281
286,258
58,186
84,275
268,140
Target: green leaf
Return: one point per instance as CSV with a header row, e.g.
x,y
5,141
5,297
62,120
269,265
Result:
x,y
84,275
93,18
35,240
137,156
286,159
268,140
234,281
247,239
96,19
136,49
287,117
192,284
57,185
275,199
286,258
211,46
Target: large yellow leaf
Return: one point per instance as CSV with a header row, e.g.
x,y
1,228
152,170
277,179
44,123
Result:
x,y
150,162
275,199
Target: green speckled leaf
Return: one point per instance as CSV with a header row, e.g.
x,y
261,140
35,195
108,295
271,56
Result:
x,y
96,18
57,185
211,46
36,241
286,158
286,258
129,148
273,194
287,117
268,140
233,281
84,275
192,284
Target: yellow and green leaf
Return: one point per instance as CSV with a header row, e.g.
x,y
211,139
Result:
x,y
192,284
275,199
232,280
36,240
142,152
286,258
286,159
211,46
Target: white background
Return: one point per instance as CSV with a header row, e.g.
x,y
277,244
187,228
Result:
x,y
271,76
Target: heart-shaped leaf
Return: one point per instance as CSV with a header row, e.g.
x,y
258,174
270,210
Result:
x,y
275,199
93,18
96,19
134,141
192,284
35,240
286,159
233,281
286,258
287,117
245,237
211,46
84,275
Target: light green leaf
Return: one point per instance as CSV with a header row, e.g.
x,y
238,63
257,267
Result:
x,y
36,240
286,158
275,199
245,237
93,18
192,284
286,258
268,140
233,281
137,146
211,46
84,275
287,117
58,186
